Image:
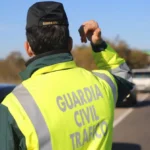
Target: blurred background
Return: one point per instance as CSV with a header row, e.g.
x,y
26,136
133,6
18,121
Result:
x,y
125,26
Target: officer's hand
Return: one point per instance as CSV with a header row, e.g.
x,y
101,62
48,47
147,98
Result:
x,y
90,31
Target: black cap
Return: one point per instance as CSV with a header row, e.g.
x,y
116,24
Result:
x,y
46,13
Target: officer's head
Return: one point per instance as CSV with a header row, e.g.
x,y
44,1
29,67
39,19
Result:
x,y
47,29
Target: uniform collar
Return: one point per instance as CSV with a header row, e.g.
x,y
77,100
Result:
x,y
47,62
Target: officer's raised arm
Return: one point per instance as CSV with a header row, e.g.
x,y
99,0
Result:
x,y
106,58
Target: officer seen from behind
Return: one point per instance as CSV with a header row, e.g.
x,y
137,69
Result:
x,y
60,106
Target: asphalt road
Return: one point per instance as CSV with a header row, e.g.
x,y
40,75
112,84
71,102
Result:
x,y
132,126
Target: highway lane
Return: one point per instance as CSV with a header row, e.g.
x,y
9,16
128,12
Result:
x,y
132,126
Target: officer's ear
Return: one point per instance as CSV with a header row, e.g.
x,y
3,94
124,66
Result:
x,y
70,44
28,49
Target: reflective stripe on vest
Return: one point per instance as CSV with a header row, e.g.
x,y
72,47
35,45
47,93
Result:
x,y
110,82
122,71
31,108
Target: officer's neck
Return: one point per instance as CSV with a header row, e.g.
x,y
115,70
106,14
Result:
x,y
45,54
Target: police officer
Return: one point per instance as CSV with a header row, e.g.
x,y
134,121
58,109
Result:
x,y
60,106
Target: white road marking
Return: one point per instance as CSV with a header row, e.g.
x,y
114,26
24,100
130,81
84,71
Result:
x,y
130,110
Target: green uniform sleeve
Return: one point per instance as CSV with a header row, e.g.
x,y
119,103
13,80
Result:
x,y
11,138
106,58
7,137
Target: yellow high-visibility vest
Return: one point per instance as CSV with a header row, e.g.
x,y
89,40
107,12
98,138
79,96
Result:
x,y
64,107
